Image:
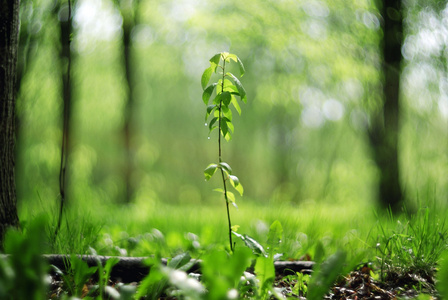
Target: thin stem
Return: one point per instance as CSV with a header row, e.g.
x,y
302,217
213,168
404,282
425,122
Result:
x,y
220,158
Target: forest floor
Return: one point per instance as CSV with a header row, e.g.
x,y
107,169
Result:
x,y
358,284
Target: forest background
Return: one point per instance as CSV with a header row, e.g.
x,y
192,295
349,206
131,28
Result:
x,y
137,134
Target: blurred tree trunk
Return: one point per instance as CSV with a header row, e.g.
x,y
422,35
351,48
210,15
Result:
x,y
128,10
383,131
65,22
9,31
28,42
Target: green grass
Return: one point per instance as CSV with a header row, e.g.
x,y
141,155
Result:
x,y
412,243
396,246
408,242
121,226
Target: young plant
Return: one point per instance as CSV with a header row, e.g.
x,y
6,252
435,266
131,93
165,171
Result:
x,y
264,263
228,88
78,274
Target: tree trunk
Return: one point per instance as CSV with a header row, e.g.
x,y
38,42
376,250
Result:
x,y
127,27
128,11
9,31
65,22
385,122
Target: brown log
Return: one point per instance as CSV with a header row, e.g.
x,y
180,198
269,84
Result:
x,y
133,269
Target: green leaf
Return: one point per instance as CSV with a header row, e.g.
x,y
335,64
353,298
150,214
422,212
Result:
x,y
240,189
252,244
212,122
231,57
206,77
230,125
214,61
236,105
207,93
240,87
242,69
227,113
228,86
210,170
210,108
275,235
319,252
228,136
179,261
226,167
231,197
224,128
226,98
217,99
219,190
265,271
222,272
81,272
442,276
235,182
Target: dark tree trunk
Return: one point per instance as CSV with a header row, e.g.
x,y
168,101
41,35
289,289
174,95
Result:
x,y
65,23
385,122
9,31
128,14
128,109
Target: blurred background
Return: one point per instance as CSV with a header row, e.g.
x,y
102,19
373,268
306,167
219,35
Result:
x,y
137,131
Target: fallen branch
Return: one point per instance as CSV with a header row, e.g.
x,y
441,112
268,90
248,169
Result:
x,y
130,269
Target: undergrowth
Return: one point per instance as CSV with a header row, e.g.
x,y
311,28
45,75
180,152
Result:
x,y
408,249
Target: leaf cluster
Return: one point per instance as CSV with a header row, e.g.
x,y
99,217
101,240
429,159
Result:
x,y
227,171
227,88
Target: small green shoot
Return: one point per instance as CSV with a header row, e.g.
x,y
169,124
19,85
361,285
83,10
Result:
x,y
78,274
228,88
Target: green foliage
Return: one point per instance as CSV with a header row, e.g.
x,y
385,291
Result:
x,y
156,282
222,272
77,275
264,269
76,235
104,275
23,272
442,276
325,275
226,91
275,236
412,243
152,285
